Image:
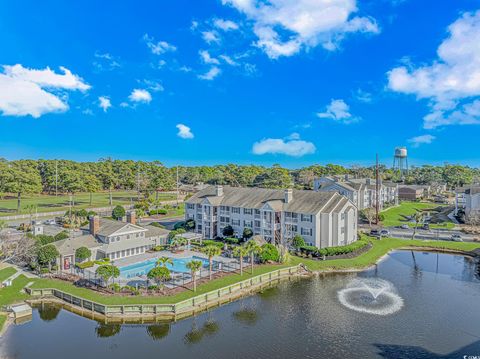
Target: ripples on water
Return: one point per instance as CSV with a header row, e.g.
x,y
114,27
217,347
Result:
x,y
440,317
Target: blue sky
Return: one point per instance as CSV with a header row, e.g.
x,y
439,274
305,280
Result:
x,y
293,82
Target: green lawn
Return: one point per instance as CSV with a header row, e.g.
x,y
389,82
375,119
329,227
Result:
x,y
3,319
7,272
394,216
379,248
48,203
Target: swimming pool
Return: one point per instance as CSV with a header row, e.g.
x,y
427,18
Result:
x,y
142,268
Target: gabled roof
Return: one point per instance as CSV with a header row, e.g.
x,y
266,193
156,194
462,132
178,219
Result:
x,y
109,227
302,201
70,245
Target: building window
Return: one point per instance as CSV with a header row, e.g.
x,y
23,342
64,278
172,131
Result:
x,y
190,206
343,216
306,231
236,210
306,218
235,222
257,224
247,211
342,230
248,224
128,236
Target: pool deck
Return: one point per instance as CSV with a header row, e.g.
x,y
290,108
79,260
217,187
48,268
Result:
x,y
184,254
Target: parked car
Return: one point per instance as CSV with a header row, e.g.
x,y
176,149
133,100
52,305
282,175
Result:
x,y
457,238
50,222
426,226
375,233
404,226
385,232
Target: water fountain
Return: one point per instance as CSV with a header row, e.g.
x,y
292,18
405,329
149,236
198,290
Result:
x,y
371,295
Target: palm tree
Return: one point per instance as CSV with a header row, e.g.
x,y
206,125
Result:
x,y
252,249
211,251
418,218
194,266
178,242
163,261
160,275
240,252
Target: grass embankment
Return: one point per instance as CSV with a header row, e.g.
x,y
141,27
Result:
x,y
6,273
379,249
49,203
395,216
3,319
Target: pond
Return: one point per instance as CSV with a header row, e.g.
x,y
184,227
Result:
x,y
411,305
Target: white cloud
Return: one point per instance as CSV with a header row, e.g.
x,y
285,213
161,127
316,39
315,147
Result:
x,y
27,91
225,25
363,96
104,103
210,37
159,47
451,82
339,111
105,62
291,146
228,60
210,74
154,86
206,58
284,27
184,131
139,95
420,140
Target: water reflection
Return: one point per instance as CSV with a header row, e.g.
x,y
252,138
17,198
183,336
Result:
x,y
158,331
104,330
247,316
197,333
48,311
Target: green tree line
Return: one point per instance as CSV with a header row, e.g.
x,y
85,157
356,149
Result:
x,y
22,177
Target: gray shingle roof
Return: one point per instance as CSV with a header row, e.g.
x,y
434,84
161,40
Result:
x,y
302,201
70,245
109,226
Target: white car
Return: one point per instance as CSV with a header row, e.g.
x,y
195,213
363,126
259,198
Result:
x,y
50,222
457,238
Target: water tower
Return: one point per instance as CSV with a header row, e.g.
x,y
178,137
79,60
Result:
x,y
400,161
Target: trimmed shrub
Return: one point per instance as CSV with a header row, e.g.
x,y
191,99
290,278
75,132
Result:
x,y
61,235
44,239
118,212
269,253
83,253
156,224
298,241
334,251
247,233
158,211
84,265
232,240
160,248
228,231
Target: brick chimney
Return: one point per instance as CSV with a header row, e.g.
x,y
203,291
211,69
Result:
x,y
131,217
219,190
288,195
94,225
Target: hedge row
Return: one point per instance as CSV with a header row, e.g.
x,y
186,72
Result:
x,y
334,251
158,211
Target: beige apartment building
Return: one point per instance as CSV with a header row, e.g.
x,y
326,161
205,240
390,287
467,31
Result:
x,y
322,219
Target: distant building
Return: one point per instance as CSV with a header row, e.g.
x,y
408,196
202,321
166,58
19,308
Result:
x,y
322,219
112,239
413,192
467,199
361,191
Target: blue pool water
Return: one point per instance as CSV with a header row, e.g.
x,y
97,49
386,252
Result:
x,y
142,268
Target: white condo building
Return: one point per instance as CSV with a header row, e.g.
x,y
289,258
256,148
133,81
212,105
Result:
x,y
361,191
322,219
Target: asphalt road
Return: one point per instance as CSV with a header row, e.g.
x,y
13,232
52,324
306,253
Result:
x,y
432,234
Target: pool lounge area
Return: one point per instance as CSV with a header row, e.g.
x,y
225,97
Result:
x,y
142,268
